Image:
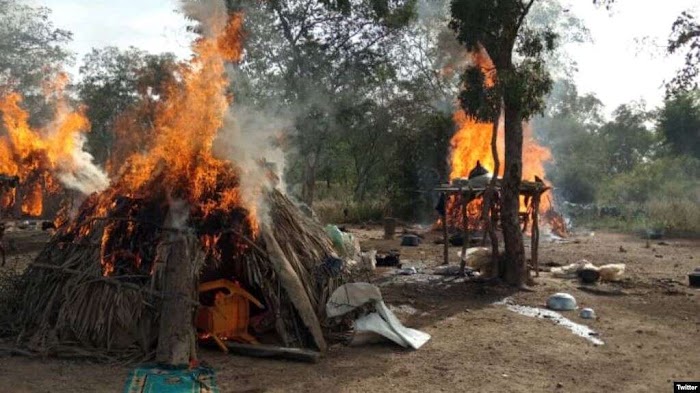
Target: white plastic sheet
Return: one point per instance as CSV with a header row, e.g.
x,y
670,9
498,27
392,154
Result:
x,y
383,322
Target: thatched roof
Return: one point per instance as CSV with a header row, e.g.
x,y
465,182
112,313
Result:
x,y
69,306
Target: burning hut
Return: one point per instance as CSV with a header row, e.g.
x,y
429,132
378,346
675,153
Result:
x,y
45,160
107,285
119,278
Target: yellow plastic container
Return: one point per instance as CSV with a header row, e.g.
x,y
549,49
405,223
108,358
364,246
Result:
x,y
228,318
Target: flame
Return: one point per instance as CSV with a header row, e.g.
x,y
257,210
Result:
x,y
472,143
177,158
36,156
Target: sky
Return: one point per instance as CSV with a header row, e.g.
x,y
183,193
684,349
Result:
x,y
616,66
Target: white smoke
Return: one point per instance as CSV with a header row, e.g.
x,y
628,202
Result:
x,y
211,15
80,172
248,139
178,213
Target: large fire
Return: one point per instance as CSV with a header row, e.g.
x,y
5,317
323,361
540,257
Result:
x,y
472,143
177,169
39,157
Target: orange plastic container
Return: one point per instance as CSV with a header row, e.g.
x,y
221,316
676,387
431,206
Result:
x,y
228,318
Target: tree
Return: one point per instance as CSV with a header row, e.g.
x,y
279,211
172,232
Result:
x,y
685,34
569,127
32,53
679,123
518,86
114,83
308,57
627,139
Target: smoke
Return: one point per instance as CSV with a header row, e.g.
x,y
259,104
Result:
x,y
81,173
250,135
76,169
251,139
178,213
211,15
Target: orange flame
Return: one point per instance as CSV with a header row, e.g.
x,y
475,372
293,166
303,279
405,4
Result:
x,y
179,159
472,143
35,155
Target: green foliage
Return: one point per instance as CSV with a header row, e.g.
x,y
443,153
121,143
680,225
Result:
x,y
621,163
679,123
663,178
333,212
627,140
32,52
685,35
665,203
112,82
497,27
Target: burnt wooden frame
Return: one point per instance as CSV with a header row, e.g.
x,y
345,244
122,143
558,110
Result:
x,y
532,193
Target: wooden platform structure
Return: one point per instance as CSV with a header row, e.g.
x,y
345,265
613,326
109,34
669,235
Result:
x,y
531,191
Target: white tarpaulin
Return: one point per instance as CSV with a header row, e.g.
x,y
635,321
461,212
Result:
x,y
382,322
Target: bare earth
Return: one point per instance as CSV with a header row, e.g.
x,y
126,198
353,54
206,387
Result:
x,y
651,332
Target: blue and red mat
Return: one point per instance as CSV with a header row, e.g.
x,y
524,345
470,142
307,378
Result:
x,y
158,379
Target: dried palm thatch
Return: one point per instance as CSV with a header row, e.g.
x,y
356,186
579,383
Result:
x,y
70,307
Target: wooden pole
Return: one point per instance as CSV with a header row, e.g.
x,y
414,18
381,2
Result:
x,y
389,227
177,336
465,230
292,284
269,351
493,224
535,236
446,246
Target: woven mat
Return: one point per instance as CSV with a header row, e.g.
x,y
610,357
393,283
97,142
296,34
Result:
x,y
155,379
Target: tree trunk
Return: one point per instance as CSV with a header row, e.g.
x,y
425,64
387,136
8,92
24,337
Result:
x,y
177,336
514,269
309,186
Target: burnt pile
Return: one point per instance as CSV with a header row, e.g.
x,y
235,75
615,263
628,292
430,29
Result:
x,y
98,287
119,279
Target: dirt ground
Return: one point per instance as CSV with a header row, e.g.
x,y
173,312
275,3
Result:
x,y
650,324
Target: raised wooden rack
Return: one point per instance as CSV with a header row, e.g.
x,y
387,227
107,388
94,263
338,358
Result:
x,y
531,190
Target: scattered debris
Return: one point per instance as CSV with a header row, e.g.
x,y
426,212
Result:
x,y
403,309
452,270
694,278
603,291
478,258
272,351
587,313
371,325
392,259
583,269
347,245
571,270
576,328
368,260
410,241
589,275
655,234
612,272
407,271
561,302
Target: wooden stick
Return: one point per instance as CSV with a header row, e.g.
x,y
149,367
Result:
x,y
465,231
535,236
292,285
446,246
219,343
269,351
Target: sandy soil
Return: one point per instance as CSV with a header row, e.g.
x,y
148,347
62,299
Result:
x,y
649,323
